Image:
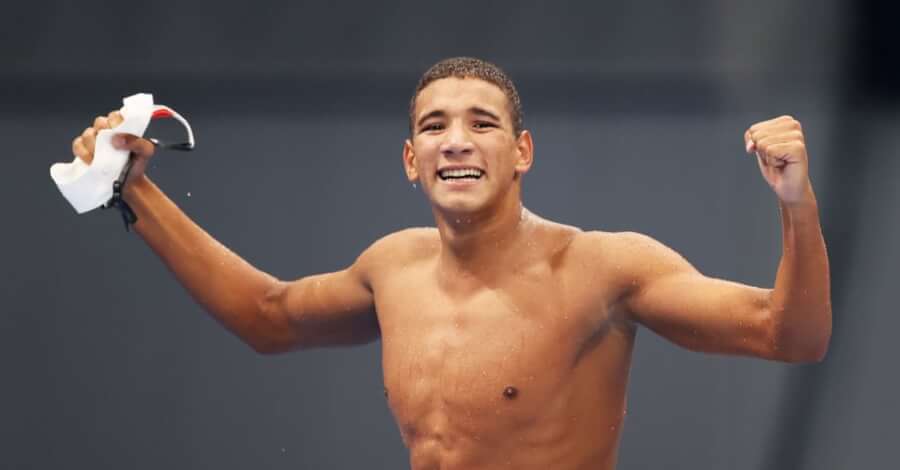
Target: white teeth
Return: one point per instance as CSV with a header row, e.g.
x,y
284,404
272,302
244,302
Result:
x,y
460,173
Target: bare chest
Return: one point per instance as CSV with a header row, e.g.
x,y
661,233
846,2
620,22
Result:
x,y
496,358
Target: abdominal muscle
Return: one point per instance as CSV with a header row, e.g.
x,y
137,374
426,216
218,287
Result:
x,y
567,431
502,381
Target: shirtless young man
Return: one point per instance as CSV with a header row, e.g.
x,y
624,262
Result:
x,y
506,338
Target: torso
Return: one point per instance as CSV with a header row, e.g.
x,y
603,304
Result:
x,y
525,370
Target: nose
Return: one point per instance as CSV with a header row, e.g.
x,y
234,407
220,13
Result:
x,y
456,142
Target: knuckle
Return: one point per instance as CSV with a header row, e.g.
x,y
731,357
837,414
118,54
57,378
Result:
x,y
147,148
88,132
100,122
78,149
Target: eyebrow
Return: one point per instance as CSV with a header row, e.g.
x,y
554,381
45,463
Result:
x,y
435,113
474,110
484,112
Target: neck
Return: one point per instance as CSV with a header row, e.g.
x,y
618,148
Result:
x,y
479,243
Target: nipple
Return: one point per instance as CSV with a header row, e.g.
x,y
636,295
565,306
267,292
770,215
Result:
x,y
510,392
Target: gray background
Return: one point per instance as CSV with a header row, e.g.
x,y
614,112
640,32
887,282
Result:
x,y
638,110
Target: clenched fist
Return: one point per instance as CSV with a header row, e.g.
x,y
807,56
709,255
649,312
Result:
x,y
781,152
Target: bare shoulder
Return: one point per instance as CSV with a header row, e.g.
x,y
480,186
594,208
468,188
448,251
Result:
x,y
399,249
596,244
633,254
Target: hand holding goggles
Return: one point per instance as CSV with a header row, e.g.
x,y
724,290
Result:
x,y
89,186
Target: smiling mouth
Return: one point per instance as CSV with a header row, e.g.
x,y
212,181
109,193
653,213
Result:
x,y
463,174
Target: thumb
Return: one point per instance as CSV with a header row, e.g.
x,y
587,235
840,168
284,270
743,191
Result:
x,y
141,148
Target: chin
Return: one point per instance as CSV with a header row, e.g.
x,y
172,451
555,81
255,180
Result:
x,y
459,206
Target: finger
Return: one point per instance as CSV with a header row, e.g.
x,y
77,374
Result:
x,y
780,125
101,122
768,161
763,161
780,120
749,145
780,138
88,138
786,152
775,129
787,120
114,118
80,151
141,148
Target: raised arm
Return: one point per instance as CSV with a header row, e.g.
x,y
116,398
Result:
x,y
791,322
268,314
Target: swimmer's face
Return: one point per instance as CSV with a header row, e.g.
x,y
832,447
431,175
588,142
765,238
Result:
x,y
463,149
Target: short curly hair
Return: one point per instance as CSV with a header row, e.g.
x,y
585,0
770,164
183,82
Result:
x,y
470,67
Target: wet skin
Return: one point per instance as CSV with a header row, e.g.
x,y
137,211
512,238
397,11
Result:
x,y
525,369
499,349
506,338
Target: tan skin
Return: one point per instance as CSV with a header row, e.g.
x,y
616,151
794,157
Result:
x,y
506,338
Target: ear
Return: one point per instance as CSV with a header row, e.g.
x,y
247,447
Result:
x,y
524,153
409,162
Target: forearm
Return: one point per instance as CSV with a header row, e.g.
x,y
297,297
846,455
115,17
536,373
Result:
x,y
801,300
224,284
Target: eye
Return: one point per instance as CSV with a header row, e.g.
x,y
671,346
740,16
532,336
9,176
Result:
x,y
433,126
484,124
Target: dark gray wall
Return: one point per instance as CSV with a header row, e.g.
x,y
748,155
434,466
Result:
x,y
638,111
